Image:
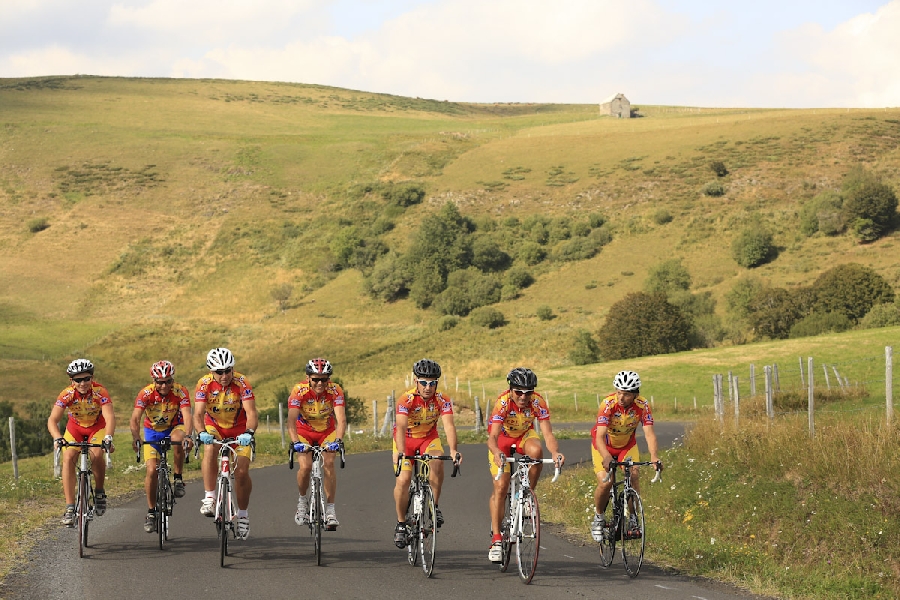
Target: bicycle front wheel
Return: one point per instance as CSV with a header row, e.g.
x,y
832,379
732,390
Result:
x,y
162,502
316,522
506,534
427,531
608,541
529,539
223,520
633,534
412,524
83,506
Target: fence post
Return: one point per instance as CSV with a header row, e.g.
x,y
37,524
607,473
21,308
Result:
x,y
838,377
576,401
280,423
737,403
598,401
695,403
752,380
827,381
730,387
777,386
888,383
812,398
477,415
470,389
12,447
392,407
770,405
800,358
375,417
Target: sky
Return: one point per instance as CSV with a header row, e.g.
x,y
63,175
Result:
x,y
764,53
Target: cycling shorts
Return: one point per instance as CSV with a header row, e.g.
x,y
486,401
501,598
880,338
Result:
x,y
95,433
221,434
426,445
151,435
311,437
620,454
505,443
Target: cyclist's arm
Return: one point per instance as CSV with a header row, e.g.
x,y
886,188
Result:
x,y
109,415
340,415
600,444
293,413
652,444
188,421
199,415
135,424
494,430
450,430
252,414
56,416
400,433
550,440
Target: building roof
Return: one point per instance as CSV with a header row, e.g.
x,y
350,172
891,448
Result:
x,y
613,97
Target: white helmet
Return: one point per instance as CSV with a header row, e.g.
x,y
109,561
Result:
x,y
80,365
627,381
219,358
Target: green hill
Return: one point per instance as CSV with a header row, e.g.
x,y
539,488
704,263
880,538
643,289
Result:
x,y
151,218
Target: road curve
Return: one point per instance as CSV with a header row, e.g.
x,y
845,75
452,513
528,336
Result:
x,y
359,560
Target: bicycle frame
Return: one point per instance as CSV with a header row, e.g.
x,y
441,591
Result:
x,y
165,496
315,515
226,502
517,527
84,491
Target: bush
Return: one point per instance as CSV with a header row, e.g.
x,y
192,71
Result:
x,y
576,249
643,325
772,313
466,290
866,197
742,293
596,220
881,315
817,323
544,313
531,253
865,231
519,277
404,194
447,322
752,247
668,276
508,292
714,189
39,224
487,317
585,350
581,229
560,229
390,279
823,213
487,255
442,244
661,216
851,290
718,167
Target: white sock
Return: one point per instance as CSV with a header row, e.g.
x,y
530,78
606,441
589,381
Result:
x,y
210,493
329,507
242,513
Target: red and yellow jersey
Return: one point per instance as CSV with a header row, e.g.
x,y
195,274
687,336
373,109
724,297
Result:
x,y
622,423
84,410
161,413
316,412
224,406
513,421
423,416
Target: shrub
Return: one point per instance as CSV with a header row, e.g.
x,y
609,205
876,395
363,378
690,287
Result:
x,y
752,247
866,197
39,224
772,313
382,225
442,244
851,290
581,229
508,292
531,253
576,249
881,315
282,295
467,289
404,194
585,350
487,255
661,216
596,220
742,293
539,233
560,229
714,189
643,325
390,279
601,236
668,276
818,322
865,231
823,213
488,317
718,167
519,277
544,313
447,322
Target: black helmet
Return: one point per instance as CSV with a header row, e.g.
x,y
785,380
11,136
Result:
x,y
522,378
427,368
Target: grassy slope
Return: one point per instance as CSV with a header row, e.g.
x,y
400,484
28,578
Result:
x,y
195,179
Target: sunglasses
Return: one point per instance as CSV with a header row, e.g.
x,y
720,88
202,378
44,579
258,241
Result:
x,y
425,383
523,392
163,381
223,371
82,379
318,379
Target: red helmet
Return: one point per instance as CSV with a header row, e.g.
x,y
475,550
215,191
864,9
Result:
x,y
318,366
162,370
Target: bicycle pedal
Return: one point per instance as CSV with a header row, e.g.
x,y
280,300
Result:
x,y
331,528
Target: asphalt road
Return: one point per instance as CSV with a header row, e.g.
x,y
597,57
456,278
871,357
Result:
x,y
359,560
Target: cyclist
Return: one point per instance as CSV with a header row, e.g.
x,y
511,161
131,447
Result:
x,y
613,438
316,406
91,415
166,408
225,407
417,414
512,422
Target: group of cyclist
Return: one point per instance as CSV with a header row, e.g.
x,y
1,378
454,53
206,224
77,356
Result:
x,y
225,408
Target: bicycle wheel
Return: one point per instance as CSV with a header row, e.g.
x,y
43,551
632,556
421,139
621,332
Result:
x,y
506,535
316,522
224,520
82,506
427,531
633,534
608,543
162,500
412,523
529,539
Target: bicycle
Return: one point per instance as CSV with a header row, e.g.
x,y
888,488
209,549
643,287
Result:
x,y
165,493
421,520
315,516
225,514
521,524
84,491
624,518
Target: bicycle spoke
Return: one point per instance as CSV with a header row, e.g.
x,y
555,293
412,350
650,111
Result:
x,y
633,534
83,508
224,510
316,501
428,531
608,543
412,546
506,530
530,537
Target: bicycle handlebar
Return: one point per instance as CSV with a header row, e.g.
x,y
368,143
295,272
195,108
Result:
x,y
529,462
62,443
615,463
291,453
426,458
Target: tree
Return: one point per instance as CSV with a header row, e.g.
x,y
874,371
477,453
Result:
x,y
584,349
753,246
644,324
390,279
282,295
487,255
867,197
851,290
823,213
441,245
738,299
466,290
668,276
719,168
772,312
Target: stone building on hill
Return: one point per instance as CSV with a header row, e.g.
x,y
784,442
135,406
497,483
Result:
x,y
616,105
